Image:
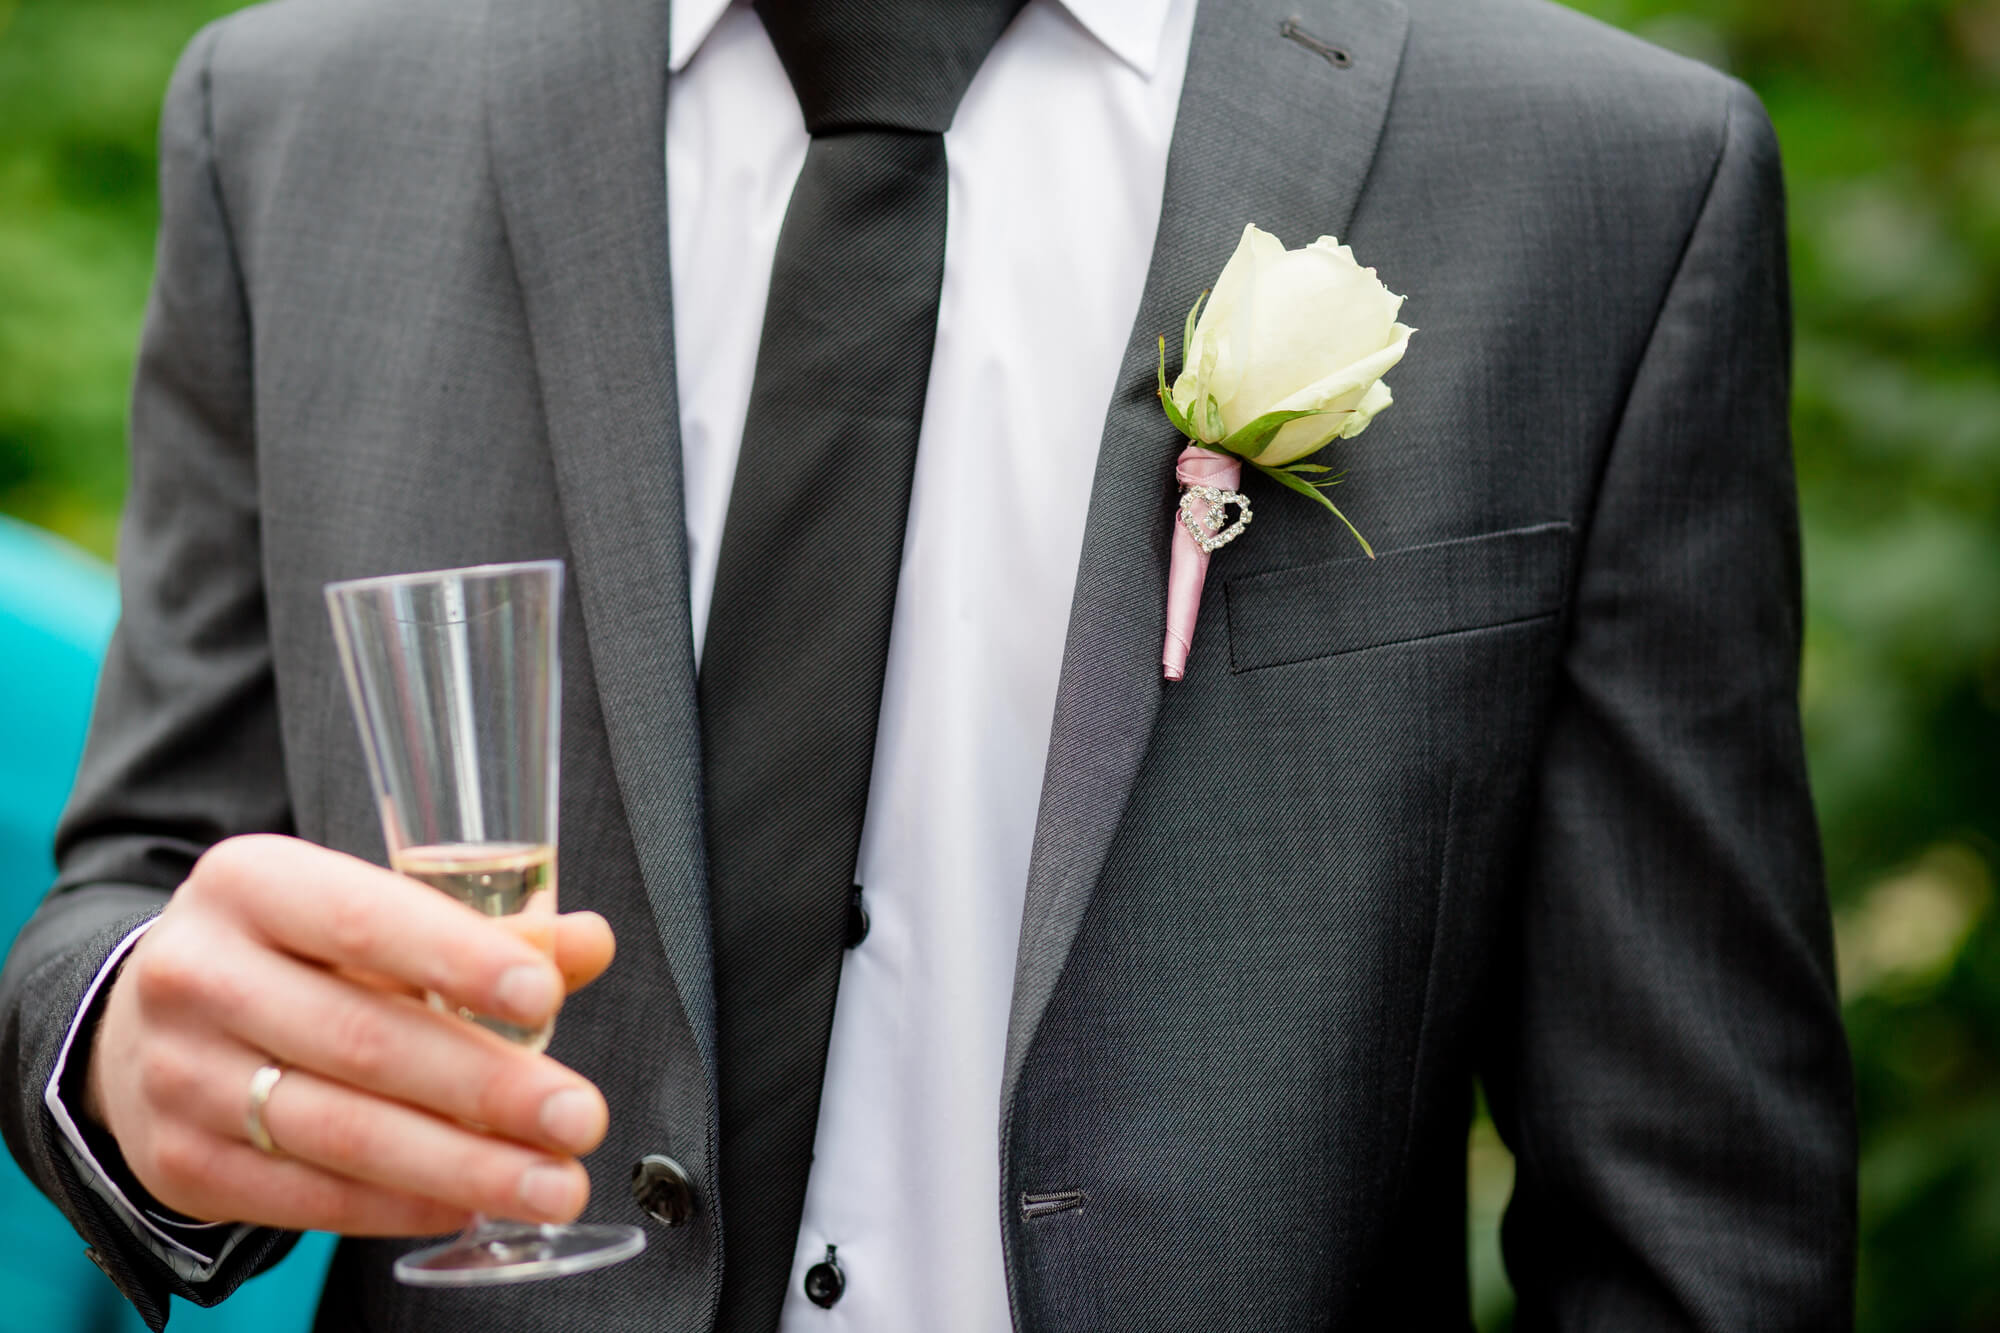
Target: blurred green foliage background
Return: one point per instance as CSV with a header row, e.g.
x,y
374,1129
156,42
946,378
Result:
x,y
1888,114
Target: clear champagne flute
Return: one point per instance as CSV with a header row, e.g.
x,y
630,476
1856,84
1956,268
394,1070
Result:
x,y
455,678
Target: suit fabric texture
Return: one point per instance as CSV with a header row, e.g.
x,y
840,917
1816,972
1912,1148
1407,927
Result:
x,y
1522,800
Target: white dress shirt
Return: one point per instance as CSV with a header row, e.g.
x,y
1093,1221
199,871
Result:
x,y
1057,163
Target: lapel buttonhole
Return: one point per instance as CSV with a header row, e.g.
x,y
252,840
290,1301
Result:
x,y
1337,56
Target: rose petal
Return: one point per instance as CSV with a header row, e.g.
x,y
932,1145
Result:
x,y
1298,439
1212,363
1377,398
1345,389
1315,310
1256,248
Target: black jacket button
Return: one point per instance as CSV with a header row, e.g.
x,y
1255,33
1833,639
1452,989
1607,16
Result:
x,y
824,1281
663,1189
857,919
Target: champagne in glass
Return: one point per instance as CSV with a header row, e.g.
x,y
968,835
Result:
x,y
456,683
497,879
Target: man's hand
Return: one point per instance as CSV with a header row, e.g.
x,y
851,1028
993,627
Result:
x,y
275,949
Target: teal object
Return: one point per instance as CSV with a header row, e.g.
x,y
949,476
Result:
x,y
57,606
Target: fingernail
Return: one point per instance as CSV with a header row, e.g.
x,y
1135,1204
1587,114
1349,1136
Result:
x,y
550,1191
573,1118
527,992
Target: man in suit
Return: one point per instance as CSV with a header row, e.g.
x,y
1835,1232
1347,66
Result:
x,y
1145,1006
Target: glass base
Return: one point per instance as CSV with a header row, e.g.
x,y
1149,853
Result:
x,y
500,1252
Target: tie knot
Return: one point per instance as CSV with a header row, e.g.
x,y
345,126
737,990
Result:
x,y
883,64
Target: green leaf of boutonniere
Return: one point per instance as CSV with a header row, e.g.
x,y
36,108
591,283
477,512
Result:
x,y
1306,488
1174,414
1253,437
1333,480
1214,420
1187,329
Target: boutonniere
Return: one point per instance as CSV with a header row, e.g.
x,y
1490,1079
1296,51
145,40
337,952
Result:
x,y
1286,357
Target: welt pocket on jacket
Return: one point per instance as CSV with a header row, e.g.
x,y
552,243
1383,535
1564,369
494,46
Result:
x,y
1342,606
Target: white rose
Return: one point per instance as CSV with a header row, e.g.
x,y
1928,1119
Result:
x,y
1291,331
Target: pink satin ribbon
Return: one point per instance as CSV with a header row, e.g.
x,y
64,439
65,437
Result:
x,y
1189,568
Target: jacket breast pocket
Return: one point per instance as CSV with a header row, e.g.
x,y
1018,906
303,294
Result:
x,y
1343,606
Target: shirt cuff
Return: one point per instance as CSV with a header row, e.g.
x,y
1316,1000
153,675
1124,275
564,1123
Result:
x,y
193,1250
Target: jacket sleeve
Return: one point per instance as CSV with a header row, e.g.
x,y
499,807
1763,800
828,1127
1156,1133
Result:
x,y
1669,1066
184,747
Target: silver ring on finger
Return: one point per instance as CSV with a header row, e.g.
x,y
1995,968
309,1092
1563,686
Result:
x,y
261,1083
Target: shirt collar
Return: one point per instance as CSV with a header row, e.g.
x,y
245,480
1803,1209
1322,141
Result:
x,y
1129,29
692,21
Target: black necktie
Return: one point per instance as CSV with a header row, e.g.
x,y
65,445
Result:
x,y
798,630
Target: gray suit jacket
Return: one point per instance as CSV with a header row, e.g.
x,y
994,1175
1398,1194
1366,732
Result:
x,y
1522,800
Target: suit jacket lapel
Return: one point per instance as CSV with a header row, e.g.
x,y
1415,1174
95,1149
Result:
x,y
1279,117
580,164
